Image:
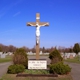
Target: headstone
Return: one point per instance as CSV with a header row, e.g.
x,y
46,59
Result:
x,y
3,55
30,52
62,54
65,56
71,56
79,53
46,53
40,52
34,53
6,54
74,54
10,53
68,55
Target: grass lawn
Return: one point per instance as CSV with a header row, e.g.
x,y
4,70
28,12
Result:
x,y
74,60
13,77
36,71
6,59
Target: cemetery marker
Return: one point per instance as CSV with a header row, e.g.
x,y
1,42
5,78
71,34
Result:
x,y
37,24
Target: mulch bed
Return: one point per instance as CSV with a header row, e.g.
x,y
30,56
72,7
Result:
x,y
36,75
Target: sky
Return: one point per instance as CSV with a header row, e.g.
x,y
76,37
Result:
x,y
62,15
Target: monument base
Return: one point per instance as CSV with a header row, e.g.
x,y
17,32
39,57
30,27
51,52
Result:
x,y
37,64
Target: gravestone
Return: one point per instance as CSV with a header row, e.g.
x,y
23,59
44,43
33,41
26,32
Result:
x,y
74,54
34,53
71,56
68,54
30,52
62,54
40,52
65,56
46,53
79,53
10,53
3,55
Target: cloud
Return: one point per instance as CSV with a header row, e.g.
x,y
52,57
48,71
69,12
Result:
x,y
8,7
4,10
16,14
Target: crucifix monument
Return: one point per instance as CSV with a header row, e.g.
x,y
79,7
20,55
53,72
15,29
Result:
x,y
37,24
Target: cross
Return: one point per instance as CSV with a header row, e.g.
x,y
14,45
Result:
x,y
37,24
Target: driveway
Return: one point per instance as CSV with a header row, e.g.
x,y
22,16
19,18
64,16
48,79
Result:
x,y
75,70
3,68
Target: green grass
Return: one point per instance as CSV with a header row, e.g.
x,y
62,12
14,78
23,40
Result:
x,y
36,72
13,77
6,59
74,60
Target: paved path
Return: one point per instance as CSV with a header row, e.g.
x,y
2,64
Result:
x,y
3,68
75,71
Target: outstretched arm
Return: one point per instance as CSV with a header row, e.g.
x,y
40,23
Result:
x,y
31,24
44,24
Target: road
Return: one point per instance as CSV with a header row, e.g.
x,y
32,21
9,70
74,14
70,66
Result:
x,y
75,72
3,68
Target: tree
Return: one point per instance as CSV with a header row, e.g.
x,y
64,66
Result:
x,y
33,50
43,49
25,48
55,56
76,48
20,57
5,49
0,49
12,48
9,48
70,50
51,49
